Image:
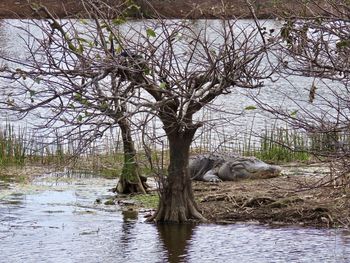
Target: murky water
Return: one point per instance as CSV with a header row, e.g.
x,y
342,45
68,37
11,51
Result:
x,y
56,220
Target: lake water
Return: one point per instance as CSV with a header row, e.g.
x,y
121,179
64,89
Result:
x,y
56,220
239,124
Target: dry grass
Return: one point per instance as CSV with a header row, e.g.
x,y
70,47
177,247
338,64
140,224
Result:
x,y
292,199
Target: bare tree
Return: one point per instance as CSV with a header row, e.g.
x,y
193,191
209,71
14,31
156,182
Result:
x,y
67,78
184,69
102,71
316,50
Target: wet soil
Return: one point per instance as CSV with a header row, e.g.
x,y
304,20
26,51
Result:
x,y
295,198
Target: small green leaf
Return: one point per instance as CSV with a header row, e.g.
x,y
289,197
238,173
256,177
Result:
x,y
250,108
285,32
118,49
111,37
150,32
80,49
77,96
31,93
134,6
80,118
35,6
37,80
147,71
72,47
162,85
83,21
82,40
212,52
294,113
104,25
343,44
104,105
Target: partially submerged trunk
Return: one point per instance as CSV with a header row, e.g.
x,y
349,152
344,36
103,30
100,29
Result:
x,y
130,180
177,201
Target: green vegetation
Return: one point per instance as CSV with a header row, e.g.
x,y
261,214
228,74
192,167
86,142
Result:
x,y
148,200
283,145
278,145
12,146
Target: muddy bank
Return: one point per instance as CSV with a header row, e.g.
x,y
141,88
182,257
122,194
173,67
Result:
x,y
192,9
293,199
301,196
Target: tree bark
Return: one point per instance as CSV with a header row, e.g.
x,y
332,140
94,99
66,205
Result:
x,y
177,201
129,181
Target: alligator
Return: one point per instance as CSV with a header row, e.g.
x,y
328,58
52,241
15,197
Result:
x,y
221,167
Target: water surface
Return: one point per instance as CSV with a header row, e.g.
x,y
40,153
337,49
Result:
x,y
57,220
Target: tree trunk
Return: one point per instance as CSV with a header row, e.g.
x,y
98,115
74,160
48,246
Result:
x,y
177,201
129,181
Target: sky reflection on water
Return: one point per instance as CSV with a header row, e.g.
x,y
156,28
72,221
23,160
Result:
x,y
61,223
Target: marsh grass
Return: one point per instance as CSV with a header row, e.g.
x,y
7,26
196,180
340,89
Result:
x,y
19,146
280,144
283,145
277,145
330,142
12,145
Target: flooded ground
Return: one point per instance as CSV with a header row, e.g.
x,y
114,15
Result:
x,y
56,219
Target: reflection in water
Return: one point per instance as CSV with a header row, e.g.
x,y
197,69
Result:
x,y
128,225
175,238
61,223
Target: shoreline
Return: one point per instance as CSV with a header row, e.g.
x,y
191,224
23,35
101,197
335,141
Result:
x,y
302,196
182,9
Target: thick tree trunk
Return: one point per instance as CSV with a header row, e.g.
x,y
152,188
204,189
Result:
x,y
129,181
177,201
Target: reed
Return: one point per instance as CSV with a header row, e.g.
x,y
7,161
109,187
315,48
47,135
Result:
x,y
283,145
19,146
12,145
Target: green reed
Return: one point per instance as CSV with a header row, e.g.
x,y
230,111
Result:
x,y
277,144
12,145
283,145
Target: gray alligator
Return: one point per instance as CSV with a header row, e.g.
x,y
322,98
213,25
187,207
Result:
x,y
218,167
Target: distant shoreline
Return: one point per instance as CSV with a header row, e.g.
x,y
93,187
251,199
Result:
x,y
194,9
